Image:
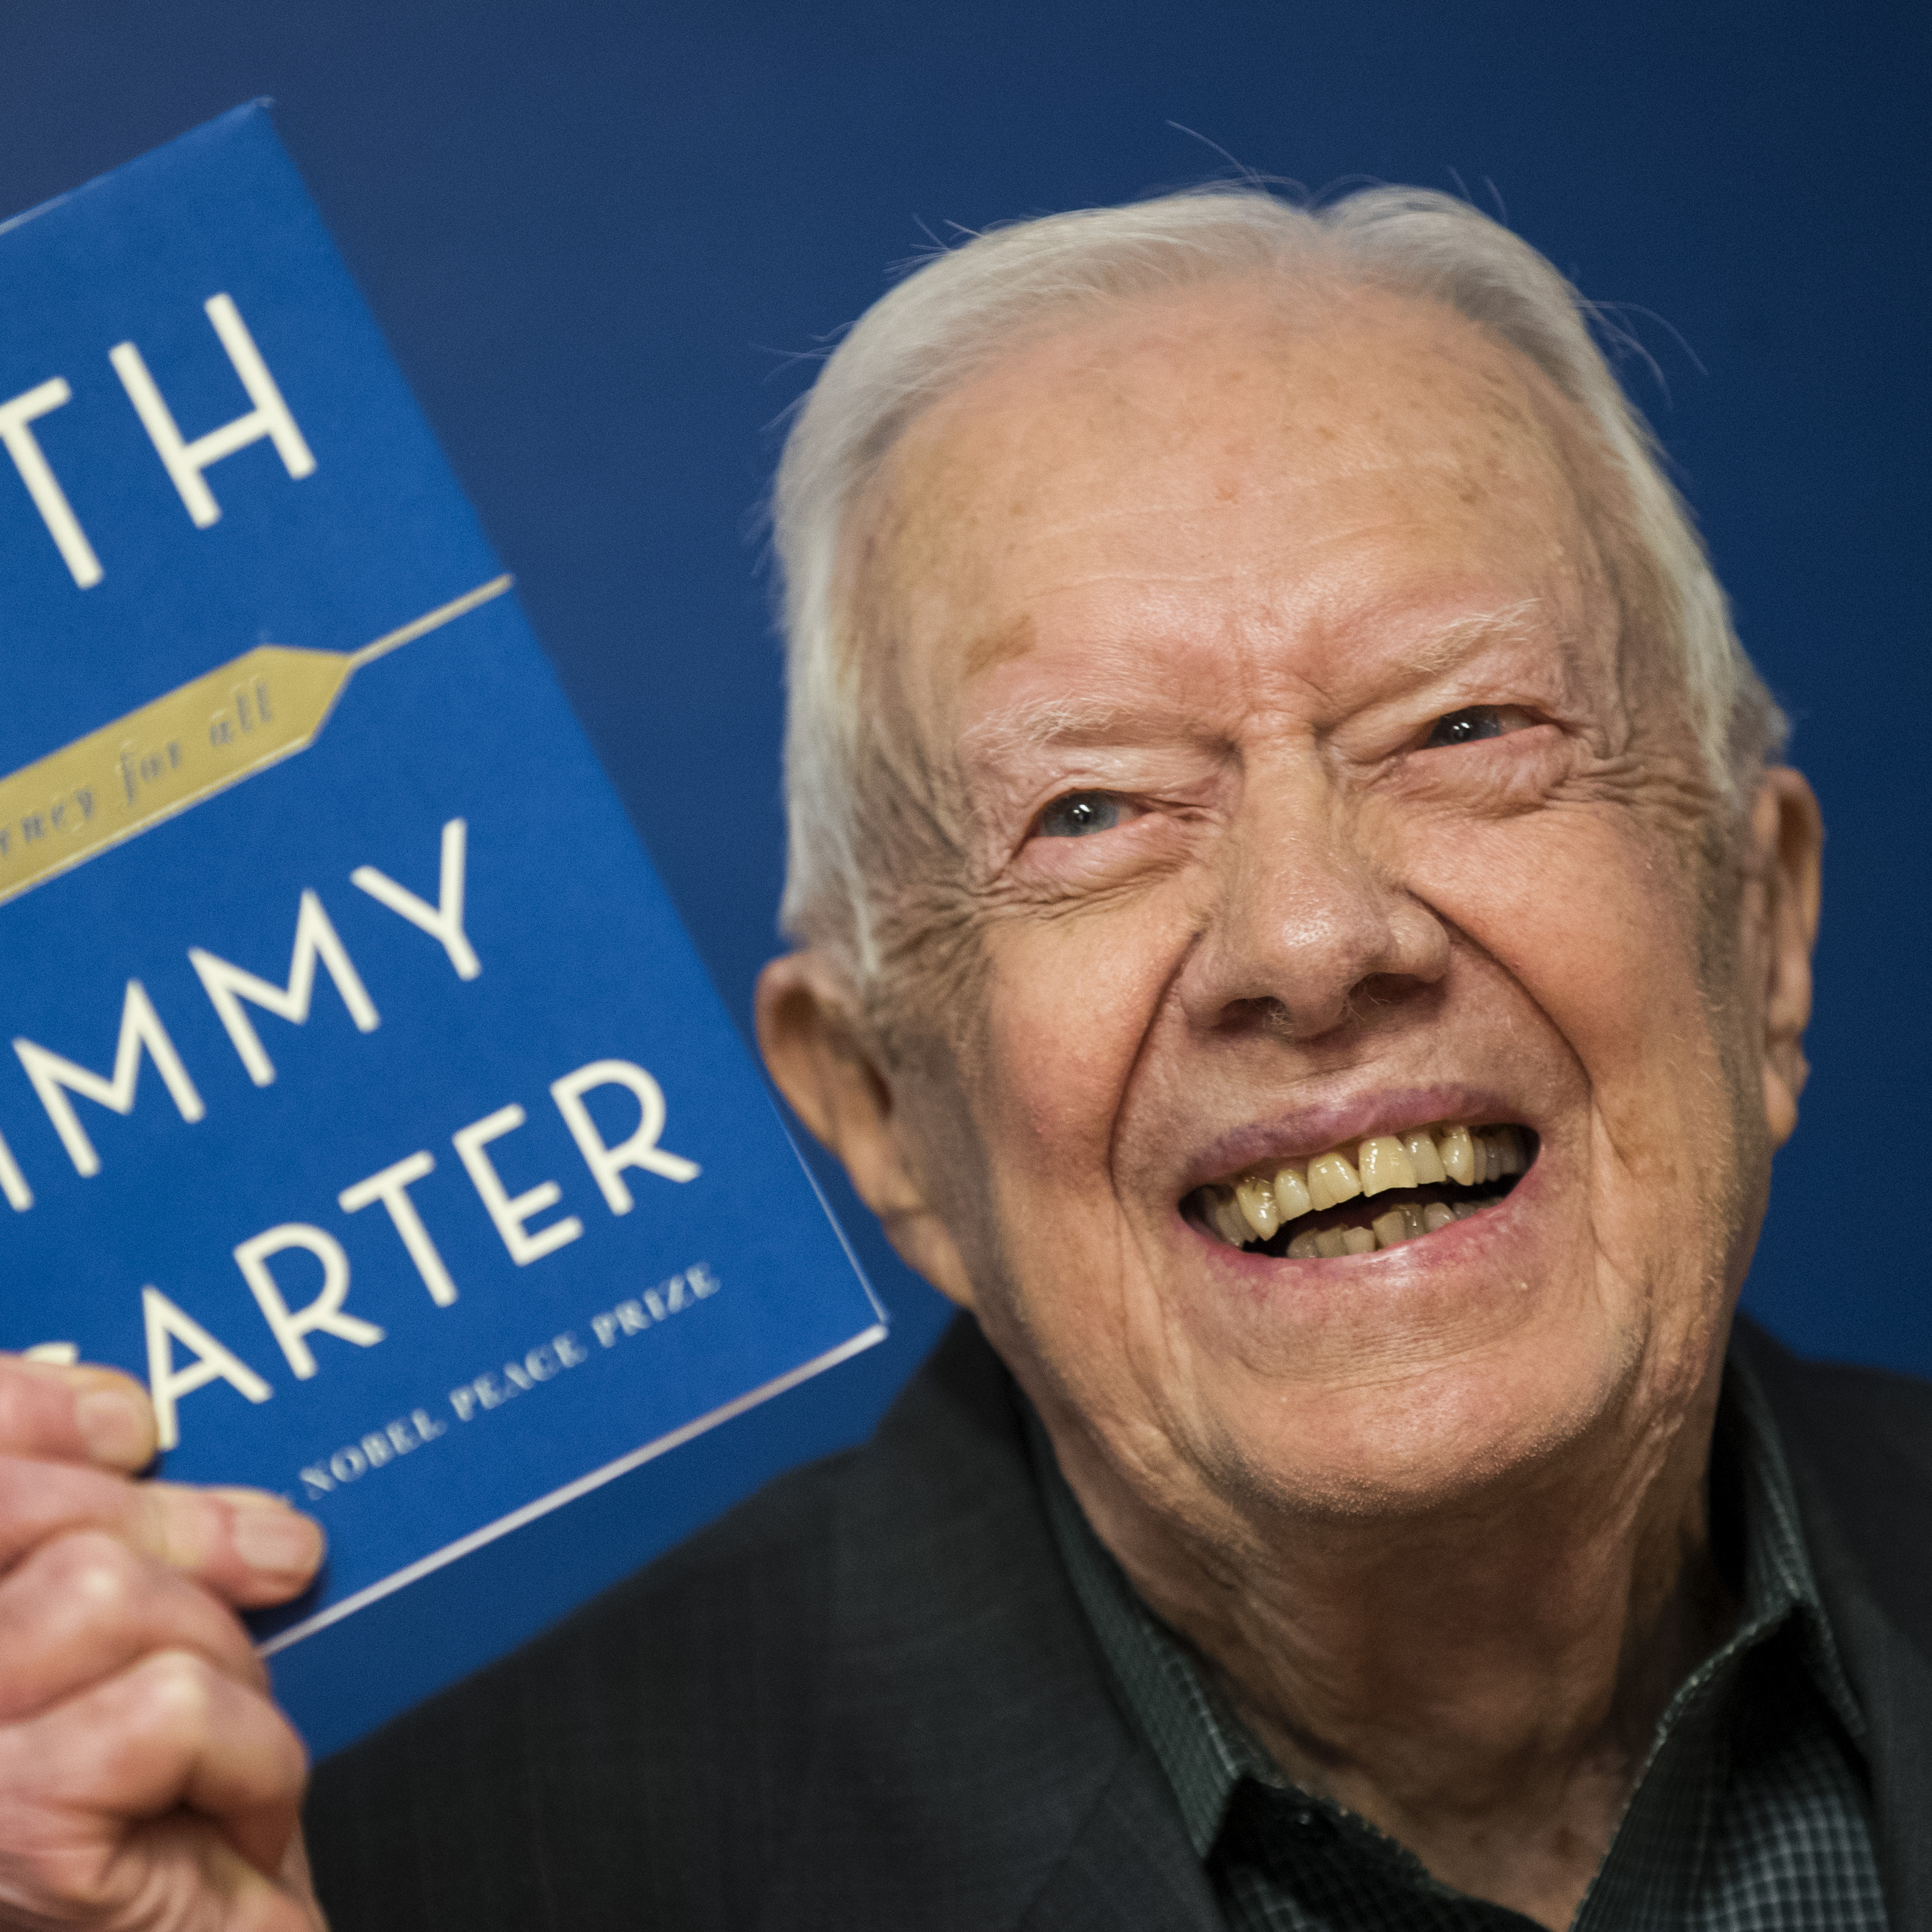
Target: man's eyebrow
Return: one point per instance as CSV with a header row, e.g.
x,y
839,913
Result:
x,y
1034,724
1448,644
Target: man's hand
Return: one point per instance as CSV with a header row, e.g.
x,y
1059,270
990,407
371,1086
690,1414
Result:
x,y
146,1779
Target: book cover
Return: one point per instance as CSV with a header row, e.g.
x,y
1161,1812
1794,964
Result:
x,y
360,1090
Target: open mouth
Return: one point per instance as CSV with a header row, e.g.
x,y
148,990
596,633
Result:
x,y
1377,1193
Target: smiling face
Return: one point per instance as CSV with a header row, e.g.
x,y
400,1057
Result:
x,y
1306,781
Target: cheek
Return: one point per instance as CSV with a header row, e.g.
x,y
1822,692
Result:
x,y
1600,927
1070,1003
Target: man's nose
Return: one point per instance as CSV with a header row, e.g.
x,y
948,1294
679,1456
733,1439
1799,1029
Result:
x,y
1308,918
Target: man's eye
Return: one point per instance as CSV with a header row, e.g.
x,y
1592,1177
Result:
x,y
1479,721
1079,814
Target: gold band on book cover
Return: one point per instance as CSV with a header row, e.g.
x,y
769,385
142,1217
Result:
x,y
181,748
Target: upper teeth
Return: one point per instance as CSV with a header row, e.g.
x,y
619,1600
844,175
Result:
x,y
1254,1204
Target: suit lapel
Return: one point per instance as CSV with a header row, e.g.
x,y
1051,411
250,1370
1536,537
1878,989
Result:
x,y
1859,1445
1129,1864
972,1756
1894,1683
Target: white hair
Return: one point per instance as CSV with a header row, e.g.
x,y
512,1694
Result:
x,y
965,309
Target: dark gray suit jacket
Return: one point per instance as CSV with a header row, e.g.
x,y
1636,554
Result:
x,y
867,1699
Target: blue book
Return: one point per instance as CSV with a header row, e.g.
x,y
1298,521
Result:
x,y
359,1089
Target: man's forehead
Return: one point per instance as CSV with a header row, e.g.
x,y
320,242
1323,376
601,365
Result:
x,y
1129,432
1221,365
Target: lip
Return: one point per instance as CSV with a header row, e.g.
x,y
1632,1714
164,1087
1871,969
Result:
x,y
1308,1131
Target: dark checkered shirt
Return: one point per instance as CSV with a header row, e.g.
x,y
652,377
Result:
x,y
1752,1812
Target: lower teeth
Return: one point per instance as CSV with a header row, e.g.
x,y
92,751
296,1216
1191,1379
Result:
x,y
1387,1231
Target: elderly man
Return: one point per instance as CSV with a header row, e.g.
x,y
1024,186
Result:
x,y
1304,940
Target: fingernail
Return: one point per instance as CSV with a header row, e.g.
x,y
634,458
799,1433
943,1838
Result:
x,y
114,1424
270,1536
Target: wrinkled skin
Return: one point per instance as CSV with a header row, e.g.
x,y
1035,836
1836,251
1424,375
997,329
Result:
x,y
1434,1514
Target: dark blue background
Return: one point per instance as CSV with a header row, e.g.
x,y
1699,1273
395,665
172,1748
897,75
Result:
x,y
607,239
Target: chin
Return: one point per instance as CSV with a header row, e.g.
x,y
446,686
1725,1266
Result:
x,y
1440,1430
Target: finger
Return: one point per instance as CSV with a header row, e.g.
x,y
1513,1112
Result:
x,y
82,1607
298,1878
170,1732
83,1414
247,1547
177,1871
209,1870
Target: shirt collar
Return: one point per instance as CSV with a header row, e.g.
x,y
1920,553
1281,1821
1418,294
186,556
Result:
x,y
1206,1751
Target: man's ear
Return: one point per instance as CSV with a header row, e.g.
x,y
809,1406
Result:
x,y
1787,835
817,1054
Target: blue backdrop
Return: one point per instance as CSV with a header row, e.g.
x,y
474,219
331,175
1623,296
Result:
x,y
607,241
